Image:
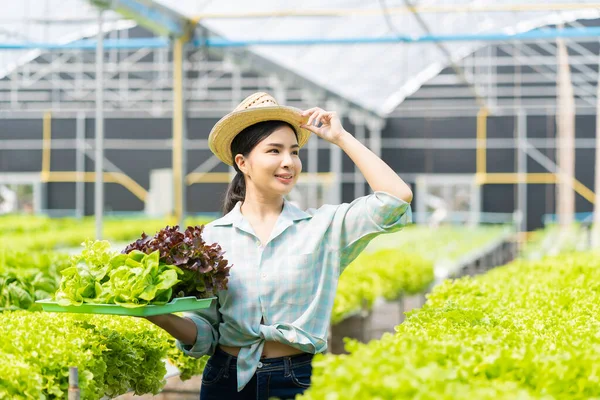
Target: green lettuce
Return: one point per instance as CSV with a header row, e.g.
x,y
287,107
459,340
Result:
x,y
528,330
131,280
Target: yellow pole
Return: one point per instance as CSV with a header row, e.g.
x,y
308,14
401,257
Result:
x,y
584,191
178,126
46,145
481,142
540,178
500,178
114,177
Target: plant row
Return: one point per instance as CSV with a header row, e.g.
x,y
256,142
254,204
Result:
x,y
528,330
442,244
113,355
42,233
387,274
403,263
553,240
27,275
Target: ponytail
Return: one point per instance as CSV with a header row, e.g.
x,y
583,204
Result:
x,y
235,192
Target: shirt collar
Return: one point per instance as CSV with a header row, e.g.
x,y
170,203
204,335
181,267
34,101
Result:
x,y
289,215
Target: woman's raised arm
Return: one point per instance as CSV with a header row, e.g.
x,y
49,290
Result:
x,y
378,174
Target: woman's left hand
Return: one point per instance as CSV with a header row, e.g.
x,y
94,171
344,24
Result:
x,y
331,128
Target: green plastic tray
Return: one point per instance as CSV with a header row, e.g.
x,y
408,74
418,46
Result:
x,y
176,305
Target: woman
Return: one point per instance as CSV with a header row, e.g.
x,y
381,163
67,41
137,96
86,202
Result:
x,y
265,329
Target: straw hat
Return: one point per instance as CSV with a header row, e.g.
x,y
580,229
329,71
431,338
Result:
x,y
258,107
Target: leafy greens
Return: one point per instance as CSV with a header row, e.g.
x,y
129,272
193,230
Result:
x,y
151,270
205,271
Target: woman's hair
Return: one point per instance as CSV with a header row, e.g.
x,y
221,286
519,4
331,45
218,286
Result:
x,y
243,143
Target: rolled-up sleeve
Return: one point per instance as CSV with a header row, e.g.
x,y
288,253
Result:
x,y
356,224
207,322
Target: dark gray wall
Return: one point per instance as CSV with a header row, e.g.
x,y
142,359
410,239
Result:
x,y
495,198
207,197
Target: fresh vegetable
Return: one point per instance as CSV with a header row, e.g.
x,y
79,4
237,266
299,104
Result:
x,y
528,330
27,277
385,273
20,289
188,366
148,271
32,233
205,271
113,355
131,280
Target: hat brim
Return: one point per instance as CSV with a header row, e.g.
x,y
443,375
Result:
x,y
228,127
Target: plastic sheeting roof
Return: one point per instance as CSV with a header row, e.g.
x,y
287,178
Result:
x,y
48,21
376,76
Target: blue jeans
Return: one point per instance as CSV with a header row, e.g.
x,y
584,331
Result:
x,y
282,377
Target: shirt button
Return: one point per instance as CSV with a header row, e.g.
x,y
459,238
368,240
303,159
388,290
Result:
x,y
260,364
264,275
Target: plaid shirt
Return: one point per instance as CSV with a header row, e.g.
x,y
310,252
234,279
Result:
x,y
290,282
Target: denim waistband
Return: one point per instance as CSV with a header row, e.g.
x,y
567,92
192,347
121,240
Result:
x,y
221,357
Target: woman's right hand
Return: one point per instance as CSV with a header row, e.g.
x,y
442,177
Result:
x,y
331,128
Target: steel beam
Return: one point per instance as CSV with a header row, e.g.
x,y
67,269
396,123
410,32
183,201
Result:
x,y
99,131
80,165
522,169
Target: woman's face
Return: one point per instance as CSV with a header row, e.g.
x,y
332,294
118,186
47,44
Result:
x,y
273,165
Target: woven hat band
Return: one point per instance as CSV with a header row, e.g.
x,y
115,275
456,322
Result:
x,y
257,100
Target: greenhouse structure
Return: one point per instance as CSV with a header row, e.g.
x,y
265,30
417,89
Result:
x,y
488,111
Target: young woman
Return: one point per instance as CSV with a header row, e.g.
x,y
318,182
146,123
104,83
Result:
x,y
264,330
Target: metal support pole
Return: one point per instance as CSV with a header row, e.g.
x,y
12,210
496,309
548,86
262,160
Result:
x,y
475,212
38,195
481,159
80,163
595,232
335,166
375,127
335,157
313,168
360,134
99,182
46,154
47,145
522,168
312,200
375,140
178,131
183,167
401,308
566,135
73,393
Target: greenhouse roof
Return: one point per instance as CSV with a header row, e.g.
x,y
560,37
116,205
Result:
x,y
48,21
376,76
